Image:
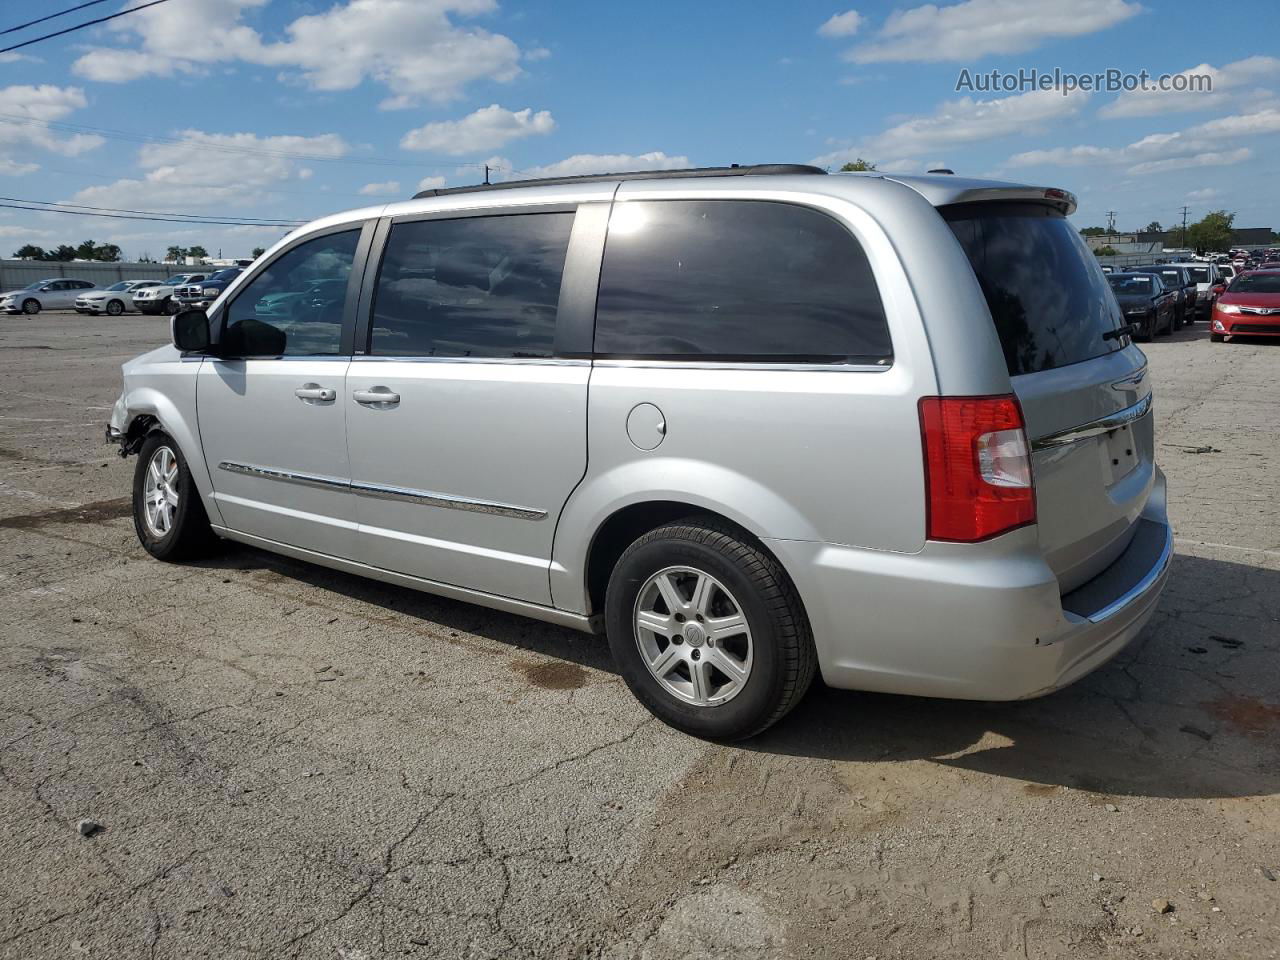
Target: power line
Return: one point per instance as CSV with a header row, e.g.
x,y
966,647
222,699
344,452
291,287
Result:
x,y
151,213
81,26
122,216
52,16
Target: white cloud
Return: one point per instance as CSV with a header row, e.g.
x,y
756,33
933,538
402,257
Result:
x,y
585,163
1213,158
1228,81
431,183
206,172
1203,145
386,188
1208,193
15,168
976,28
42,105
487,128
961,121
414,47
841,24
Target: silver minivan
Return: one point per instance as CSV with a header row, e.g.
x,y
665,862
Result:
x,y
748,422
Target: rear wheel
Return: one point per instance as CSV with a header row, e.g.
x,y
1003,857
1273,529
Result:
x,y
707,630
31,307
168,514
115,308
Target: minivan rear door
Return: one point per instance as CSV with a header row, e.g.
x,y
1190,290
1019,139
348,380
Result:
x,y
1084,389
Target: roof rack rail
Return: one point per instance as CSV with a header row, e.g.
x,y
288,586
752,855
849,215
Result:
x,y
753,170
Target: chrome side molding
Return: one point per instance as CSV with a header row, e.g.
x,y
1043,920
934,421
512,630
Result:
x,y
1094,427
386,492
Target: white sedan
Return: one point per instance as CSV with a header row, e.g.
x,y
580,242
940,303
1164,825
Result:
x,y
114,300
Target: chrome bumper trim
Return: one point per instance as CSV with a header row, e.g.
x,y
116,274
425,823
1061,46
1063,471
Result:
x,y
385,492
1142,586
1094,427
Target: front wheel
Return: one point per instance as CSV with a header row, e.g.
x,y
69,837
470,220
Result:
x,y
30,307
115,308
167,512
170,306
707,630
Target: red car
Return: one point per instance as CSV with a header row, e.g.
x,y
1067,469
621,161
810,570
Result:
x,y
1250,307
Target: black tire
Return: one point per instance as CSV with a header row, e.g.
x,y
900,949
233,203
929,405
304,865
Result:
x,y
783,657
1179,317
114,308
31,307
170,306
189,535
1215,338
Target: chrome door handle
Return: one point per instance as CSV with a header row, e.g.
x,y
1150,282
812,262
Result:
x,y
375,396
313,392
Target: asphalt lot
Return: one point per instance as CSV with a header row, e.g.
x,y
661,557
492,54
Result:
x,y
291,762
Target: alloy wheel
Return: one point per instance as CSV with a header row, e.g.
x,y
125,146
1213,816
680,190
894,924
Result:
x,y
160,492
693,636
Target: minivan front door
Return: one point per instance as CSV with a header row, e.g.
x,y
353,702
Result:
x,y
467,432
271,417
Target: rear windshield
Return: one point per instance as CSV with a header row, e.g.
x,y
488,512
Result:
x,y
1123,284
1048,298
1256,283
1201,274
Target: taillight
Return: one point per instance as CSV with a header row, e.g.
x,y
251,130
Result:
x,y
977,467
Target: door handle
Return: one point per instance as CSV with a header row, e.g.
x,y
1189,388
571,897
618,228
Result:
x,y
313,392
375,396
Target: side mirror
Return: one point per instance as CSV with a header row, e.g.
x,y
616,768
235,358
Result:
x,y
190,330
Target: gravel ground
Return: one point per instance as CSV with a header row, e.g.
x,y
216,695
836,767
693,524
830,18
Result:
x,y
288,762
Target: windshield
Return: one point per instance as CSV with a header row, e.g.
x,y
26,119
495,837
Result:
x,y
1255,283
122,285
180,278
1047,297
226,274
35,286
1131,285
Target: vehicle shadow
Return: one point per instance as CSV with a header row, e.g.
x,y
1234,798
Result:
x,y
519,633
1191,709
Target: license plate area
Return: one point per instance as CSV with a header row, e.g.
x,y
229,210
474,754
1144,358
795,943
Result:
x,y
1119,450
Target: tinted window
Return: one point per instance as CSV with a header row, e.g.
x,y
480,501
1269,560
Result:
x,y
295,306
478,287
1201,274
1122,285
1049,300
736,279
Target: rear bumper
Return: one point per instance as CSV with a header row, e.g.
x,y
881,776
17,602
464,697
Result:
x,y
974,622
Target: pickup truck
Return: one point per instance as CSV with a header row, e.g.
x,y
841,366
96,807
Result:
x,y
160,299
198,296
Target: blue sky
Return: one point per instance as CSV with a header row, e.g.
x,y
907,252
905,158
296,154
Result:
x,y
298,108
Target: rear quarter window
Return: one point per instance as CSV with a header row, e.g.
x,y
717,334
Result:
x,y
743,280
1048,298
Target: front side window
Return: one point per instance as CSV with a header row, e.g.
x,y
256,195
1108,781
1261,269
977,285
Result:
x,y
295,306
745,280
477,287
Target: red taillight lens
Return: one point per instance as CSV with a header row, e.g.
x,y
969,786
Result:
x,y
977,467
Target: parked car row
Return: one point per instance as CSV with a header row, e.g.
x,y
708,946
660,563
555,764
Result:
x,y
181,291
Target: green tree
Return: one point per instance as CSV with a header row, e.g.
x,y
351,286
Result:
x,y
176,254
1105,252
30,252
64,253
1213,233
1152,227
108,253
258,251
858,166
197,251
1094,232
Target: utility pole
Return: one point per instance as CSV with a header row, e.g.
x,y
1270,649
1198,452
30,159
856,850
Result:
x,y
486,175
1111,221
1184,226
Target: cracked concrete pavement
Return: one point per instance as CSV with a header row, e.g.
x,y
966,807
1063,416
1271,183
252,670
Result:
x,y
290,762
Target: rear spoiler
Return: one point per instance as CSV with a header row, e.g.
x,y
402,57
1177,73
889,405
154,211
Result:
x,y
946,190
